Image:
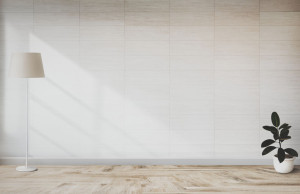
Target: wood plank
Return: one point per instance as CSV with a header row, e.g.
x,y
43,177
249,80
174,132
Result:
x,y
280,18
149,179
237,5
279,5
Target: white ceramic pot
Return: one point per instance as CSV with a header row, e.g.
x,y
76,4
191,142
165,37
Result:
x,y
284,167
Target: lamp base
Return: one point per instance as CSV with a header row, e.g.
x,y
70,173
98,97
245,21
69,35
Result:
x,y
25,169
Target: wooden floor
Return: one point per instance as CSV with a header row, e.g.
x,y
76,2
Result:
x,y
149,179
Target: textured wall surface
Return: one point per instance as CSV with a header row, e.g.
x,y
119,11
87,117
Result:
x,y
150,78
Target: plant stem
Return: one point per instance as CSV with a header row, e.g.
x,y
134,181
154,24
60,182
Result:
x,y
279,137
279,143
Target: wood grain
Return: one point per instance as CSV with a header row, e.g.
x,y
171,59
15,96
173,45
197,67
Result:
x,y
236,33
149,179
147,6
56,6
279,32
279,5
192,18
238,48
107,6
146,18
279,18
192,6
237,5
58,19
236,18
279,48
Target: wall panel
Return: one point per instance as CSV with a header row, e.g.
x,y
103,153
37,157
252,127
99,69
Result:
x,y
150,79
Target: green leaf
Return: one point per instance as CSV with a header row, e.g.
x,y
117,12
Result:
x,y
273,130
280,155
276,136
291,152
268,150
275,119
270,128
283,126
267,143
284,133
288,127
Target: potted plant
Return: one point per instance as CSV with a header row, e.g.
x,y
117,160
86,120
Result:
x,y
284,159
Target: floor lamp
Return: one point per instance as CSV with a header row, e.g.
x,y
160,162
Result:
x,y
26,65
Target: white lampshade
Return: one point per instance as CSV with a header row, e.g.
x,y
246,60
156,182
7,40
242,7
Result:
x,y
26,65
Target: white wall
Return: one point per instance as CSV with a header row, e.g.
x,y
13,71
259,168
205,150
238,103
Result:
x,y
150,79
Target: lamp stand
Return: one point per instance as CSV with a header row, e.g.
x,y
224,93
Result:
x,y
26,168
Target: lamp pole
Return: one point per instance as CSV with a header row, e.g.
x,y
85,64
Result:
x,y
27,122
26,168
